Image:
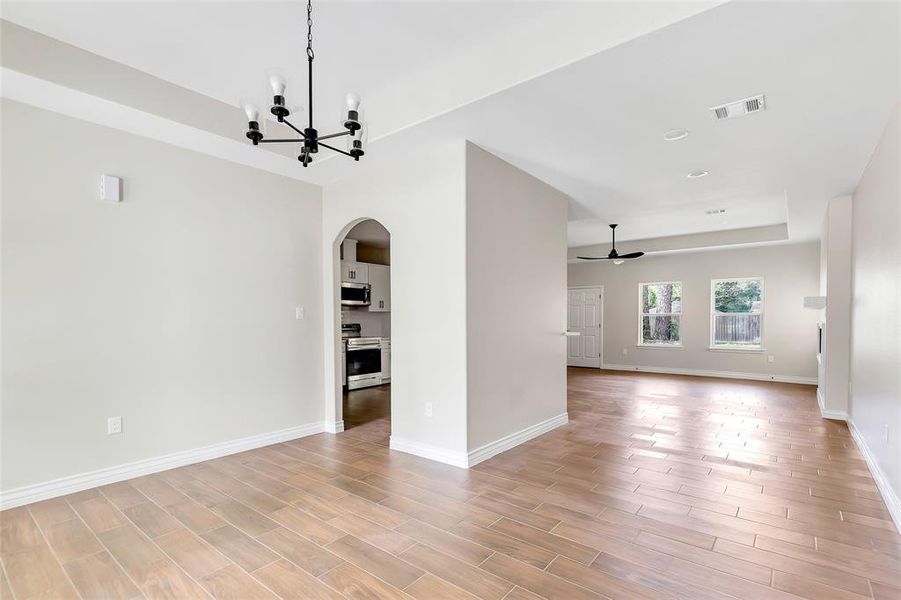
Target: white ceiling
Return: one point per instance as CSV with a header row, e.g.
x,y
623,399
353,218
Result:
x,y
226,50
409,60
594,129
502,75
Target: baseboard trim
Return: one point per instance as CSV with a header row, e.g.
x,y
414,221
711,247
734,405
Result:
x,y
889,496
482,453
448,457
705,373
334,427
835,415
83,481
507,442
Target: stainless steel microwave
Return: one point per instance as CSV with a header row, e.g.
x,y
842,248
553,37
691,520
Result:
x,y
355,294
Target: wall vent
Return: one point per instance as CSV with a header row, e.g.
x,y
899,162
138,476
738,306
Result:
x,y
739,108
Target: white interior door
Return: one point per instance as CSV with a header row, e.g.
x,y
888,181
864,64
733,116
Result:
x,y
584,317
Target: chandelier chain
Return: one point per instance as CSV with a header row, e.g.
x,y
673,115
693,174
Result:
x,y
310,139
310,29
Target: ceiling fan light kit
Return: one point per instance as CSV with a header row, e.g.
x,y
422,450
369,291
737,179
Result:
x,y
617,258
355,128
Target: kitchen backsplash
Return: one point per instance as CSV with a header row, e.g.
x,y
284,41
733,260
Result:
x,y
371,324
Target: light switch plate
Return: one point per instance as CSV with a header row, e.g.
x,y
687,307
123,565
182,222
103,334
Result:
x,y
110,188
298,313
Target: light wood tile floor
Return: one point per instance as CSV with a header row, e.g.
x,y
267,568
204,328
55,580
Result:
x,y
660,487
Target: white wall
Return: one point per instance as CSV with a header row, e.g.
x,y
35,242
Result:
x,y
173,309
835,284
876,309
421,200
516,298
790,272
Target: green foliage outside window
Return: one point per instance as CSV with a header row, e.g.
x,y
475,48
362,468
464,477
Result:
x,y
736,296
661,308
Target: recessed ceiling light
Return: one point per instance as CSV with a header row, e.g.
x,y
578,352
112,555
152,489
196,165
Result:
x,y
674,135
697,174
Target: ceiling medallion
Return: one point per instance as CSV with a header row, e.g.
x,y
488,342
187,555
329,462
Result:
x,y
355,130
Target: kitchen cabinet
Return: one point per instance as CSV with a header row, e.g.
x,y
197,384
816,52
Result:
x,y
354,272
380,282
386,360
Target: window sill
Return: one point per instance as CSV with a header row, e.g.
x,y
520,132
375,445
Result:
x,y
661,346
738,350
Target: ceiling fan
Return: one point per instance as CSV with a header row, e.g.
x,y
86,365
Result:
x,y
614,256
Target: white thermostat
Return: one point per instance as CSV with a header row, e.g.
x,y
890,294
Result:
x,y
110,188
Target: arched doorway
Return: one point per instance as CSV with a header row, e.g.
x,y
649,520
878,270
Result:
x,y
364,282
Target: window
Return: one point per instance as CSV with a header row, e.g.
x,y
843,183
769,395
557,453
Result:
x,y
660,305
736,313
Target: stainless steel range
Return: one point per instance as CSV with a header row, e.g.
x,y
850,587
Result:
x,y
363,362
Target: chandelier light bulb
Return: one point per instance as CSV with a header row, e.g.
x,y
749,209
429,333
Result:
x,y
308,139
356,142
277,83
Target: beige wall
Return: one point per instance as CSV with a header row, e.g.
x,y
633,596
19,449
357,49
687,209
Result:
x,y
463,331
421,201
173,309
516,299
790,272
876,309
835,284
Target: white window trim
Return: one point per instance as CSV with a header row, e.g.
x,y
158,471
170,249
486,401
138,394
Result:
x,y
641,343
678,346
725,347
738,349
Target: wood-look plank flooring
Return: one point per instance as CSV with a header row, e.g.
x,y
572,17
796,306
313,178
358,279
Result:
x,y
659,487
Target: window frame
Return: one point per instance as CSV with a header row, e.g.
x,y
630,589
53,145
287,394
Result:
x,y
736,348
641,315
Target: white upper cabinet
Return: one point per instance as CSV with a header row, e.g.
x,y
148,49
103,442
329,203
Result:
x,y
354,272
380,281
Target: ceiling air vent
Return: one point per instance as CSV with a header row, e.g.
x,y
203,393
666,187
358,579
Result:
x,y
715,211
739,108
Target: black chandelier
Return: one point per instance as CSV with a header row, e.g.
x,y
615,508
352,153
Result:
x,y
356,131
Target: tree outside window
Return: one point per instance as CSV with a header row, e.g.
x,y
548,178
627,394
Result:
x,y
660,305
736,313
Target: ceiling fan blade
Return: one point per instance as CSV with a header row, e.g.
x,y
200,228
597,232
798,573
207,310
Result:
x,y
613,255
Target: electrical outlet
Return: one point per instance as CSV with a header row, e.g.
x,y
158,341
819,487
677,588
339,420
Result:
x,y
625,351
770,358
428,409
114,425
298,313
